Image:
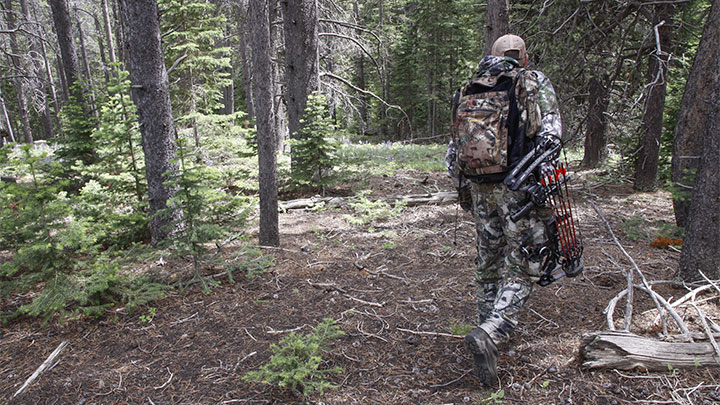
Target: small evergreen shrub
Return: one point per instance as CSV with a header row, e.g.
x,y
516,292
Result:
x,y
247,260
368,211
77,126
296,360
315,149
208,210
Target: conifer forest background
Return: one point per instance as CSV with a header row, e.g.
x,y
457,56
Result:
x,y
216,201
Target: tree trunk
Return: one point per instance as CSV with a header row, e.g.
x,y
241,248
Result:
x,y
48,84
647,164
51,84
6,128
19,70
384,60
700,251
269,234
35,48
119,33
281,112
498,21
229,94
108,31
152,98
596,138
101,46
65,93
86,67
360,72
301,55
63,29
247,73
692,119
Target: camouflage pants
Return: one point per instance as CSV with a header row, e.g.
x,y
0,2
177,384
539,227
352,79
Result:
x,y
504,275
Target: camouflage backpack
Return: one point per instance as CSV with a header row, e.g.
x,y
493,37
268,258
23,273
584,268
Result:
x,y
487,124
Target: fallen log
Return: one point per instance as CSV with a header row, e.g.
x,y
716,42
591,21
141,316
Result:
x,y
627,351
411,200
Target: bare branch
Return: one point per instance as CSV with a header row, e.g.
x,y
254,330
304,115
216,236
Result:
x,y
365,51
176,63
347,83
656,298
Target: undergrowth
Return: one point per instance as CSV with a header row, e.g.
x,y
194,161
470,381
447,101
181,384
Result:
x,y
369,211
297,359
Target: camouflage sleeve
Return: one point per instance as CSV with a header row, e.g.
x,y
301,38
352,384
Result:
x,y
551,127
451,163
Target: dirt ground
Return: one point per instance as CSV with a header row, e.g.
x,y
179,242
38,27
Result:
x,y
396,289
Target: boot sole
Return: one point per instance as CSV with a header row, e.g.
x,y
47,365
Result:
x,y
481,359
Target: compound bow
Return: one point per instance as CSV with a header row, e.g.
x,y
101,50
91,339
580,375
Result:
x,y
562,251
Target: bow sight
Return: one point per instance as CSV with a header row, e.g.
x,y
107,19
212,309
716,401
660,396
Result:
x,y
562,252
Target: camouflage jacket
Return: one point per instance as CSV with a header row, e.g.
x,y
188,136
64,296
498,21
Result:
x,y
536,101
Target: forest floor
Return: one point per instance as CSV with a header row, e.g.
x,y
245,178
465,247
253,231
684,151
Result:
x,y
397,289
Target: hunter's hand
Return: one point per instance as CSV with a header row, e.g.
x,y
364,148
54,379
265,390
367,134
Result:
x,y
464,198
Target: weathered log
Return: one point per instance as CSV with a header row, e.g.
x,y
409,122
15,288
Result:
x,y
627,351
411,200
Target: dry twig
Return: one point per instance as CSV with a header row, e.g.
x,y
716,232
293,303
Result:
x,y
657,299
47,364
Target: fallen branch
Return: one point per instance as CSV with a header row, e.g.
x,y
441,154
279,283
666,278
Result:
x,y
451,382
416,332
278,332
668,307
48,363
655,297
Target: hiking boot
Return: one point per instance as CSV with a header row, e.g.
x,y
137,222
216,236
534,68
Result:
x,y
484,355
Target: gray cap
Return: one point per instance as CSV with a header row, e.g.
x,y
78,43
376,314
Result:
x,y
508,43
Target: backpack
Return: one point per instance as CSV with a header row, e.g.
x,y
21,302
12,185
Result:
x,y
487,129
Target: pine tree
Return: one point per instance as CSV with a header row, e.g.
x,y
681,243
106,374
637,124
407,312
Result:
x,y
315,148
198,66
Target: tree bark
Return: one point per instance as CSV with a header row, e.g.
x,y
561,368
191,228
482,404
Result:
x,y
229,94
700,251
301,56
596,138
276,43
152,97
101,45
247,72
269,234
360,72
119,32
19,70
6,129
86,67
646,169
63,29
498,21
108,31
692,119
65,93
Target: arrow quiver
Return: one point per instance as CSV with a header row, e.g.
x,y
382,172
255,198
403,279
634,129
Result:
x,y
548,177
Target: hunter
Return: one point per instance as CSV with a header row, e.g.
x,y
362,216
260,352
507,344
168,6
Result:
x,y
499,115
